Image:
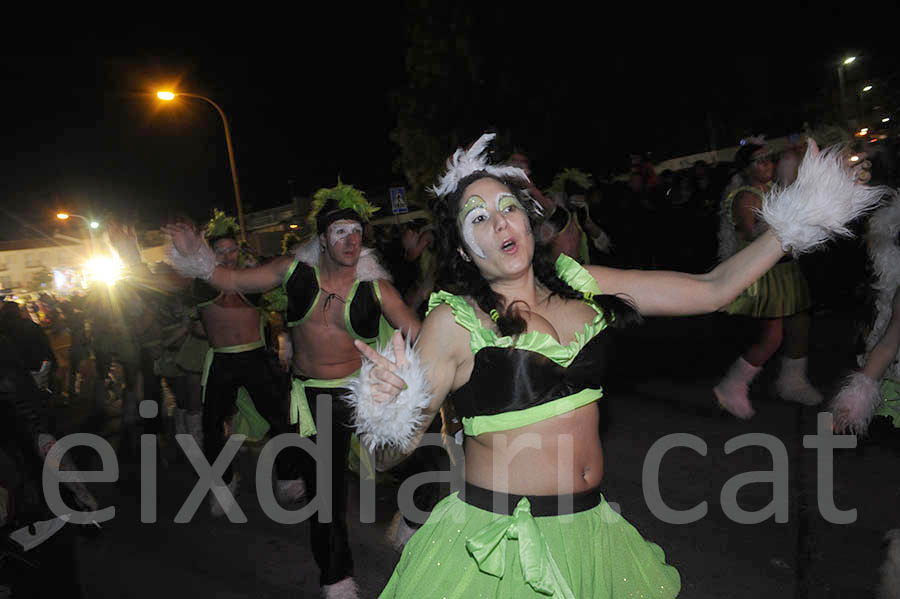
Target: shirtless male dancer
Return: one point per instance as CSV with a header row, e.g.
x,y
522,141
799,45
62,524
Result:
x,y
337,293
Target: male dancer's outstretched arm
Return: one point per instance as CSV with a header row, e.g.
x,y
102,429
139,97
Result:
x,y
186,240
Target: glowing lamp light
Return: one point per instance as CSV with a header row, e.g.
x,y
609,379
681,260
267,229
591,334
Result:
x,y
95,224
854,158
104,269
62,215
165,95
293,226
867,88
886,119
849,60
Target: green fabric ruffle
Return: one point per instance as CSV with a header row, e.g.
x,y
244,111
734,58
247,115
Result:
x,y
537,341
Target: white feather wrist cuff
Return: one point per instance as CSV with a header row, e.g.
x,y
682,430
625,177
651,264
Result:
x,y
390,424
820,204
856,403
199,265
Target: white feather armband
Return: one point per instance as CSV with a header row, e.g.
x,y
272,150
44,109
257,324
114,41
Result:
x,y
396,423
856,403
820,204
199,265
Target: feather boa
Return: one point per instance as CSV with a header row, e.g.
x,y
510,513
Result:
x,y
367,269
820,204
394,424
885,256
465,162
855,403
889,586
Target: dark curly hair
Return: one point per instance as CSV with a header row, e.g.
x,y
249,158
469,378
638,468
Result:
x,y
460,277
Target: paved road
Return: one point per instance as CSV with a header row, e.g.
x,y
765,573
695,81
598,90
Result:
x,y
659,384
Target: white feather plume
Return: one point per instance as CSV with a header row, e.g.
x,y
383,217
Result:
x,y
465,162
820,204
199,265
884,254
882,241
889,584
855,404
367,269
391,424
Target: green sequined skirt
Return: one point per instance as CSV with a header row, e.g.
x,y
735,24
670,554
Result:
x,y
782,291
466,552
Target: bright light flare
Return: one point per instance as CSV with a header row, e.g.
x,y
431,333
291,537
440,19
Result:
x,y
886,119
849,60
62,215
867,88
95,224
165,95
293,225
854,158
105,269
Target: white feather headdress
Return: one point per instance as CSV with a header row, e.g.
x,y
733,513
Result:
x,y
465,162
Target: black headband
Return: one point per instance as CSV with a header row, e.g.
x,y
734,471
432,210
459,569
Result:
x,y
332,212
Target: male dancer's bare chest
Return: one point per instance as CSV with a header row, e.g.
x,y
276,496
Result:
x,y
230,320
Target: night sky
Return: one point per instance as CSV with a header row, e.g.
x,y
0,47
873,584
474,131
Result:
x,y
313,99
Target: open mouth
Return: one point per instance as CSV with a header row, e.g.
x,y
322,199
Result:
x,y
508,246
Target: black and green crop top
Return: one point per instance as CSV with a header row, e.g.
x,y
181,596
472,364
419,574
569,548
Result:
x,y
363,316
532,377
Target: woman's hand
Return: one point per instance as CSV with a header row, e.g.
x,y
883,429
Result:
x,y
185,238
385,383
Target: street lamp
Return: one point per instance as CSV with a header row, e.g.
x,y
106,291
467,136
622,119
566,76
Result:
x,y
168,96
847,61
91,224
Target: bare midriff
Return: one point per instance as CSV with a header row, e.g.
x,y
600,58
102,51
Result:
x,y
557,456
230,321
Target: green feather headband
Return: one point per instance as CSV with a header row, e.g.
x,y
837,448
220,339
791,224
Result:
x,y
346,197
222,226
574,175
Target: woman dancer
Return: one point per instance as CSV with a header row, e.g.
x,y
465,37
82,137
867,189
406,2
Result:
x,y
517,344
779,300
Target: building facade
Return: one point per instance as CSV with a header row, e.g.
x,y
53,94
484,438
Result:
x,y
22,260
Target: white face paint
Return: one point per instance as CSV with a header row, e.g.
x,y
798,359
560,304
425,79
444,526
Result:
x,y
338,231
475,211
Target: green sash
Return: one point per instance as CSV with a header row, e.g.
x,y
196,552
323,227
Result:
x,y
539,569
300,413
